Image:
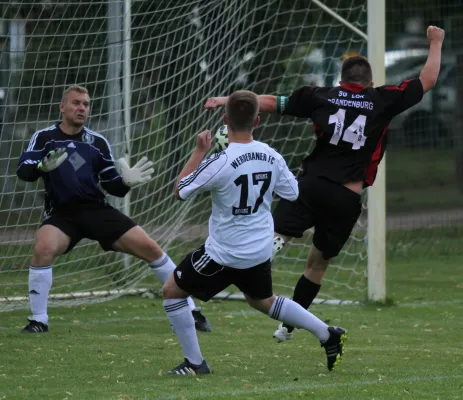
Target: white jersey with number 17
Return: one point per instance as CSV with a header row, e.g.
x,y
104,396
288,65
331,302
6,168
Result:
x,y
241,180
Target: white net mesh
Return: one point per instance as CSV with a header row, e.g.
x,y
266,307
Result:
x,y
181,53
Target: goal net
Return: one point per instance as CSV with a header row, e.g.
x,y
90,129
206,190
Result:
x,y
424,156
149,102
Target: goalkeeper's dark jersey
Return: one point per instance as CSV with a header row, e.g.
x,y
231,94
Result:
x,y
350,122
90,162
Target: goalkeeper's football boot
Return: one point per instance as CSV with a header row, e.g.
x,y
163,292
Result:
x,y
283,333
35,327
334,346
201,322
187,368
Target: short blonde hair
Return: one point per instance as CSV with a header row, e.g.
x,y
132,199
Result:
x,y
241,110
74,88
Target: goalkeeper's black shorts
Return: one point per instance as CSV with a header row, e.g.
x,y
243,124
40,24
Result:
x,y
199,275
329,207
90,220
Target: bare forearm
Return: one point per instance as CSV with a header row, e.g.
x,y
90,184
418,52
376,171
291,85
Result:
x,y
430,72
267,103
193,163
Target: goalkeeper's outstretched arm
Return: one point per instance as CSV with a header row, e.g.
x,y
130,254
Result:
x,y
119,183
110,179
267,103
28,171
34,157
115,187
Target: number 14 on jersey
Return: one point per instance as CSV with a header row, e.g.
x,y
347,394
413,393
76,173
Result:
x,y
353,134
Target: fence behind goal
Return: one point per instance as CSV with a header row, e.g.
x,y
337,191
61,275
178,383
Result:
x,y
149,66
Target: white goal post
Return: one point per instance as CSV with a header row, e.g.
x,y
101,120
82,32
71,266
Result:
x,y
377,193
149,67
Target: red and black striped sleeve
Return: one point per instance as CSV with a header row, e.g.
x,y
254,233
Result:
x,y
402,97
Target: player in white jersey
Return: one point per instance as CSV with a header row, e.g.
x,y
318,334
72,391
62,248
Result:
x,y
241,180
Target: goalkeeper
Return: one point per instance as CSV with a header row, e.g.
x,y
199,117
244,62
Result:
x,y
73,162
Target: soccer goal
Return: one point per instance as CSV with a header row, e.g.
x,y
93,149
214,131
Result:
x,y
149,67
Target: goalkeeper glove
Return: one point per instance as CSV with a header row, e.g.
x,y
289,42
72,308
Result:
x,y
138,174
53,160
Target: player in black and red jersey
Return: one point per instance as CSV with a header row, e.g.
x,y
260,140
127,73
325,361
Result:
x,y
350,122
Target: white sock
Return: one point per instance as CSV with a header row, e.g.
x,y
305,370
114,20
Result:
x,y
291,313
40,280
183,324
162,268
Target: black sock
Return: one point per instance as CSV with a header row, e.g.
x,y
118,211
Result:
x,y
304,294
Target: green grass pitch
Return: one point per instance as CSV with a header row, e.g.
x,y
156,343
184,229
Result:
x,y
118,349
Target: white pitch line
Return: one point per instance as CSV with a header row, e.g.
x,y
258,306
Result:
x,y
412,379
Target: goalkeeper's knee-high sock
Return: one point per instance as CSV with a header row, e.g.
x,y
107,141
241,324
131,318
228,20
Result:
x,y
162,268
40,280
304,294
291,313
183,324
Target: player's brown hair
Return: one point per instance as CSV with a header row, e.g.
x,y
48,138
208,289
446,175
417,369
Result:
x,y
74,88
241,110
356,69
